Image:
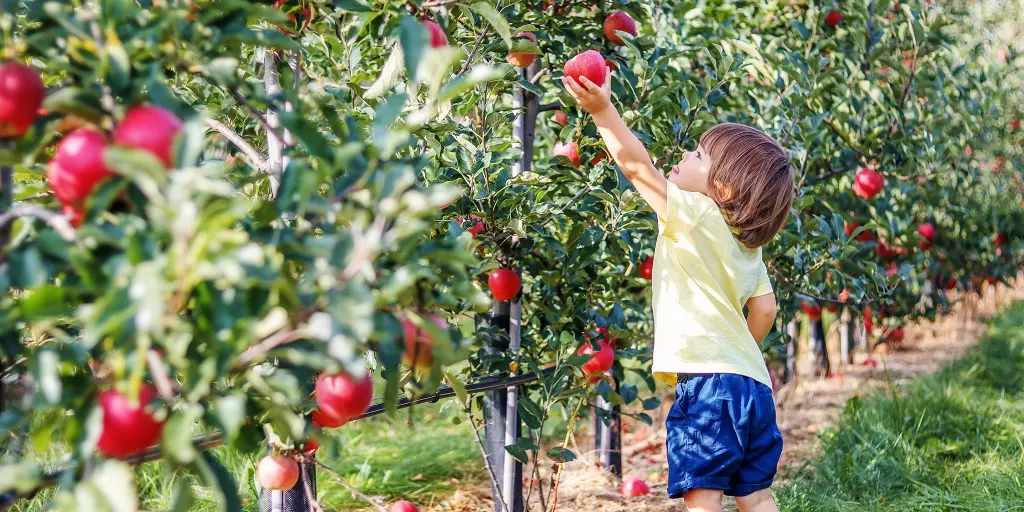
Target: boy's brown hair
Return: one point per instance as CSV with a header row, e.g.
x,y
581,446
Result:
x,y
750,179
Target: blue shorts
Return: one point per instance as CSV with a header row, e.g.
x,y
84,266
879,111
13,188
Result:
x,y
722,435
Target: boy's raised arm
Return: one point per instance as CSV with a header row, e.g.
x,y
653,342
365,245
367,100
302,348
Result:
x,y
624,147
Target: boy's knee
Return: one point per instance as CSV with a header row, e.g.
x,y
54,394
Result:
x,y
703,500
759,501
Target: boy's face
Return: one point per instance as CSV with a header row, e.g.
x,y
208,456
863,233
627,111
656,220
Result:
x,y
691,173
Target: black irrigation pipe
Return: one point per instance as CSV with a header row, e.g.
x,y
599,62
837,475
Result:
x,y
215,439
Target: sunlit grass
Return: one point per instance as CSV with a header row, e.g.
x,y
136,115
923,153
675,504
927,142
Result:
x,y
953,441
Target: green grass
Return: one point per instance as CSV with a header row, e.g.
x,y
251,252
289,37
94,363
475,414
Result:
x,y
952,441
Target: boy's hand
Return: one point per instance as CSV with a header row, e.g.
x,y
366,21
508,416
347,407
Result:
x,y
592,98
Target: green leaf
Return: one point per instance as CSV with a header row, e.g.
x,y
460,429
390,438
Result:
x,y
651,403
176,442
229,411
116,483
561,454
352,6
530,412
44,303
182,501
496,20
413,37
22,477
475,76
386,113
519,453
46,371
77,101
220,480
118,64
459,387
223,70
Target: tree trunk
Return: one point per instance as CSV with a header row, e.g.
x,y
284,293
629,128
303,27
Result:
x,y
819,348
793,333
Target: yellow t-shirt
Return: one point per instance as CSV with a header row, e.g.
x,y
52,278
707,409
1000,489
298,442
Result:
x,y
703,276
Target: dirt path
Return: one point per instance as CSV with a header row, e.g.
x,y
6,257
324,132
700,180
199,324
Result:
x,y
804,410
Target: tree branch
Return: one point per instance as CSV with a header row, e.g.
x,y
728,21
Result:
x,y
554,105
483,451
271,342
355,492
58,222
257,159
476,46
275,144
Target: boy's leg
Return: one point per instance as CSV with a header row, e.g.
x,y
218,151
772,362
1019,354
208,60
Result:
x,y
760,501
703,500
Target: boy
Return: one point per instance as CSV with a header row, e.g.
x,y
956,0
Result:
x,y
716,209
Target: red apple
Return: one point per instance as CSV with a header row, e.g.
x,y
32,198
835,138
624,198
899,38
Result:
x,y
149,128
403,506
892,270
523,59
278,473
569,150
438,38
868,183
884,251
1000,239
951,283
634,487
895,335
812,310
477,228
309,449
927,231
601,155
832,307
992,280
419,342
618,20
127,427
77,166
647,268
833,18
589,64
602,360
561,117
342,396
1014,124
327,421
504,284
864,236
21,94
